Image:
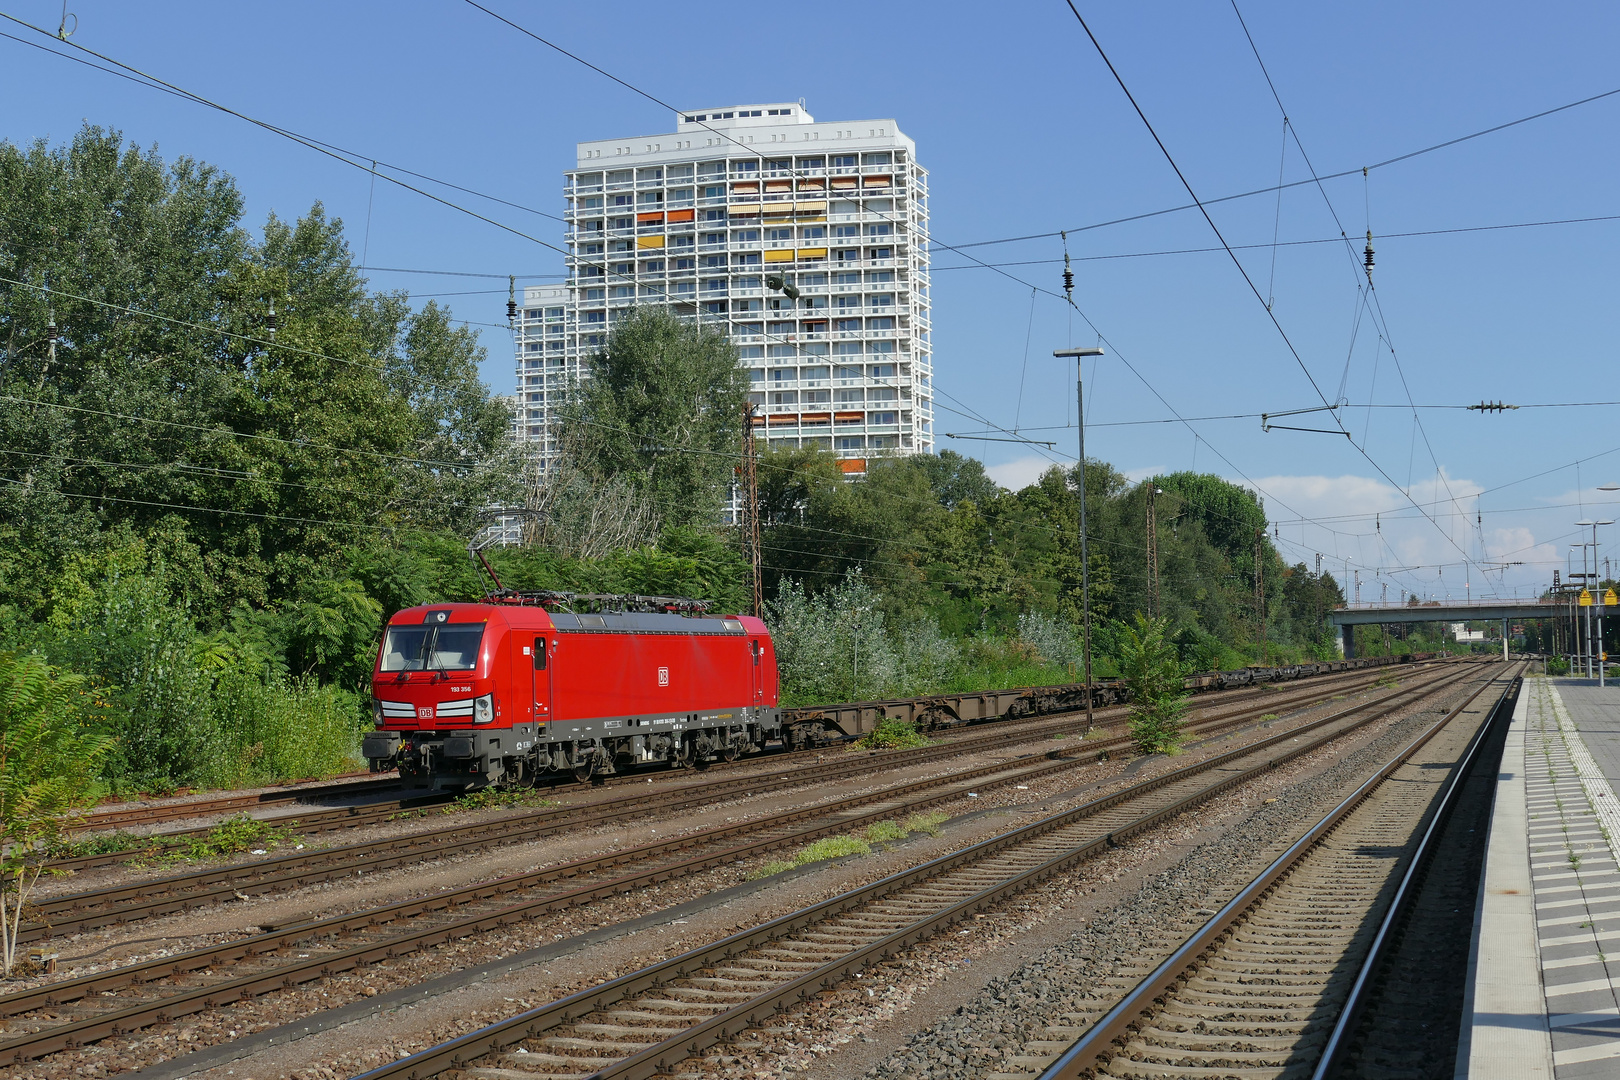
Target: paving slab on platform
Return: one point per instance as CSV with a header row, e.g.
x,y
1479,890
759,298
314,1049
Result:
x,y
1555,829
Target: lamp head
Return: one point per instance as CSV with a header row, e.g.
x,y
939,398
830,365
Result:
x,y
1077,352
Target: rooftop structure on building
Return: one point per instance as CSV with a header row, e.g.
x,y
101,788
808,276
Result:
x,y
699,218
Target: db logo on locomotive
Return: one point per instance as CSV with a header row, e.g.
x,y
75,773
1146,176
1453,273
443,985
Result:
x,y
663,676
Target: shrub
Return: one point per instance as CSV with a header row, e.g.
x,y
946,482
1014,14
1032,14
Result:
x,y
1154,677
47,768
892,735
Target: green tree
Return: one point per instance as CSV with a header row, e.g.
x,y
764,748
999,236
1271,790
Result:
x,y
48,765
1152,672
662,409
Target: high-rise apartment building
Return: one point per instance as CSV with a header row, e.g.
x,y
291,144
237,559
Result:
x,y
700,218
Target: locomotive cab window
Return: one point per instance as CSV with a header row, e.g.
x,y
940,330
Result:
x,y
539,654
442,647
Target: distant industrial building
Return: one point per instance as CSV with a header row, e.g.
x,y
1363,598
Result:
x,y
699,218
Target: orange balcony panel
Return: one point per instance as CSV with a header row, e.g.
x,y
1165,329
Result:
x,y
654,218
849,418
681,215
815,418
877,181
845,182
852,465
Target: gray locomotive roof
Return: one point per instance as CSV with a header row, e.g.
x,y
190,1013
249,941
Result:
x,y
640,622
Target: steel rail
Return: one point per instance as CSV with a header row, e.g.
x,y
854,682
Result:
x,y
143,814
245,988
1405,894
662,1057
81,911
348,817
1099,1040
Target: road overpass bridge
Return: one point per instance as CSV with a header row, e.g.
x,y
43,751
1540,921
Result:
x,y
1505,610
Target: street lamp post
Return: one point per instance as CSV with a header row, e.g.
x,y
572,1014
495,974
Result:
x,y
1085,566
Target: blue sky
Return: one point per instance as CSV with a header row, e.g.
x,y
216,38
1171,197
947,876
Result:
x,y
1026,132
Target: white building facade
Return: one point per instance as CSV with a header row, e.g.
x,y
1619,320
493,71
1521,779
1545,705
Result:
x,y
698,219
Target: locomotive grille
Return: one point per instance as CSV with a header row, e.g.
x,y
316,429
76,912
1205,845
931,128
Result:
x,y
455,708
398,710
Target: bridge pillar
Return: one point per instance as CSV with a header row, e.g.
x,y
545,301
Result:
x,y
1347,641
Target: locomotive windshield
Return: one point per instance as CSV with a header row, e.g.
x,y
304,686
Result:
x,y
445,647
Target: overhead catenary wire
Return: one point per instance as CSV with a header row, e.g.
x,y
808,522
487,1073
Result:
x,y
317,145
1236,262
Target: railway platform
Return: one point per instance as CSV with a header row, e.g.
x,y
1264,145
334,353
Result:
x,y
1544,999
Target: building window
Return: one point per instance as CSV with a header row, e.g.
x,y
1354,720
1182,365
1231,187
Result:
x,y
848,302
880,253
596,316
714,238
885,322
782,351
778,234
847,255
745,236
850,442
685,264
843,161
715,307
881,228
846,371
595,294
785,397
813,232
882,442
714,285
846,230
881,371
745,305
746,258
714,260
747,283
846,324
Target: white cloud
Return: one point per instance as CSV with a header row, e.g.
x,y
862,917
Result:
x,y
1020,472
1138,475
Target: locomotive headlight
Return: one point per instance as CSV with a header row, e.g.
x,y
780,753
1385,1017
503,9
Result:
x,y
377,713
484,709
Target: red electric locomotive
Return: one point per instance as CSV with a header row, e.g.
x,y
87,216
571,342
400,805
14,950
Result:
x,y
504,691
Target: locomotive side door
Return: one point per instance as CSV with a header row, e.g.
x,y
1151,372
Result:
x,y
540,668
757,680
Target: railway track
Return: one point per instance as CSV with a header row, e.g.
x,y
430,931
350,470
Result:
x,y
1274,983
974,738
79,912
71,1013
123,817
644,1023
